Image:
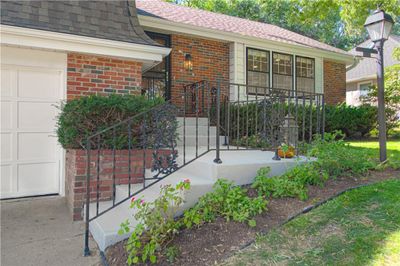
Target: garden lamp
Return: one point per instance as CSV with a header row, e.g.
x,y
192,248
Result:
x,y
379,25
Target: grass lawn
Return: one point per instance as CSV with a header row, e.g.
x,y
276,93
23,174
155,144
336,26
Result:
x,y
361,227
372,147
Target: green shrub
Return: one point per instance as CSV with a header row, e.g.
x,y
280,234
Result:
x,y
246,121
228,201
333,157
354,121
156,226
82,117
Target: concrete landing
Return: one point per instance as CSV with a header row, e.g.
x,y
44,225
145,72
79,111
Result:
x,y
240,166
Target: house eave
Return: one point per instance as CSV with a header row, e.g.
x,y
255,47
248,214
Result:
x,y
170,26
39,39
369,77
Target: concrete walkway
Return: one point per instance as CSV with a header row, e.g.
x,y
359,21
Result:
x,y
39,231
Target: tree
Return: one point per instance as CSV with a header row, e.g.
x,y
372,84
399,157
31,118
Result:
x,y
336,22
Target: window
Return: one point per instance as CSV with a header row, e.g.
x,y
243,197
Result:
x,y
305,74
257,70
364,88
282,77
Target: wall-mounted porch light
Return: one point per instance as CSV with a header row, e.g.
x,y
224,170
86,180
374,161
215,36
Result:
x,y
188,64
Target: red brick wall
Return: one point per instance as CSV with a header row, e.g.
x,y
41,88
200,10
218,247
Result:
x,y
334,82
210,62
90,74
75,174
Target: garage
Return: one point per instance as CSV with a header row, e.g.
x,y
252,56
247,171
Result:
x,y
32,84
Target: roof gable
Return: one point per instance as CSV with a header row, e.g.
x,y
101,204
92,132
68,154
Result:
x,y
113,20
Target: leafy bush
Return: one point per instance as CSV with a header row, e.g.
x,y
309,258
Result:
x,y
333,158
246,124
291,184
157,226
156,223
228,201
84,116
354,121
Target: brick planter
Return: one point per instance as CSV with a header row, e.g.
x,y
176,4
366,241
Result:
x,y
75,174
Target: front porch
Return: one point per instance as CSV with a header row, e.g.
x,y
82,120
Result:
x,y
204,137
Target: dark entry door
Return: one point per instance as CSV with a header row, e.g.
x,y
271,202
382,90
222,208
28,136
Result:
x,y
156,81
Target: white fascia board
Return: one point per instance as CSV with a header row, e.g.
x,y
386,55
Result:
x,y
169,26
40,39
373,76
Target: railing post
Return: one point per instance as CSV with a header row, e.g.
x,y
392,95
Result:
x,y
86,251
217,148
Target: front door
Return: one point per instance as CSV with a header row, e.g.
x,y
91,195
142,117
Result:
x,y
156,81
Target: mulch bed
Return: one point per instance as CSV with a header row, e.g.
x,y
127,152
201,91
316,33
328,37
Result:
x,y
214,242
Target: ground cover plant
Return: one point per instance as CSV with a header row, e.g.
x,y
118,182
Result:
x,y
337,163
361,227
157,225
334,157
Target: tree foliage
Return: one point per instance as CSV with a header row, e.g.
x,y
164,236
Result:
x,y
336,22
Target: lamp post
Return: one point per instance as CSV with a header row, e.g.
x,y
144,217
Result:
x,y
379,25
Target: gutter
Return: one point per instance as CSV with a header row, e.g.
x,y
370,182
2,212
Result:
x,y
356,61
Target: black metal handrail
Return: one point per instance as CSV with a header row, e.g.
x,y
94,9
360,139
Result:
x,y
153,133
123,152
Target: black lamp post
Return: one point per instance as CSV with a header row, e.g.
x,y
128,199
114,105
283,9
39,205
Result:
x,y
379,25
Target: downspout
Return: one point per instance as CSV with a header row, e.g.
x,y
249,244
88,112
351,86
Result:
x,y
356,60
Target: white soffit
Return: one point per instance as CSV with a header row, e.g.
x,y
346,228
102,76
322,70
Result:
x,y
39,39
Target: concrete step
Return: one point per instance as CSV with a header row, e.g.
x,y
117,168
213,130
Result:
x,y
191,121
240,166
202,140
202,130
104,229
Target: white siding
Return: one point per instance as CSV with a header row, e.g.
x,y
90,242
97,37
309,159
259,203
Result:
x,y
319,75
238,66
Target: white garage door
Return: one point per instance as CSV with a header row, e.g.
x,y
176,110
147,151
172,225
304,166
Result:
x,y
30,154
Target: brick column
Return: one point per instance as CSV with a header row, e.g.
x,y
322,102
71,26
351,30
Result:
x,y
334,82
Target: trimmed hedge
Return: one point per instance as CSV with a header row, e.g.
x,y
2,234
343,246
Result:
x,y
355,122
82,117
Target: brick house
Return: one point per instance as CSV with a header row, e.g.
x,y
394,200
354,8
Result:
x,y
60,50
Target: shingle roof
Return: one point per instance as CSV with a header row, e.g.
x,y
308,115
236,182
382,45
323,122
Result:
x,y
367,66
113,19
225,23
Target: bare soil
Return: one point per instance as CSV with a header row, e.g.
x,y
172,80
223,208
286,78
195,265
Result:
x,y
214,242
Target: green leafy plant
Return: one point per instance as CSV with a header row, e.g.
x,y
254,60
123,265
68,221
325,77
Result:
x,y
335,157
171,253
82,117
331,157
156,224
353,121
228,201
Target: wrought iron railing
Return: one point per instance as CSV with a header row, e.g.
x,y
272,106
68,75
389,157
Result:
x,y
142,150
